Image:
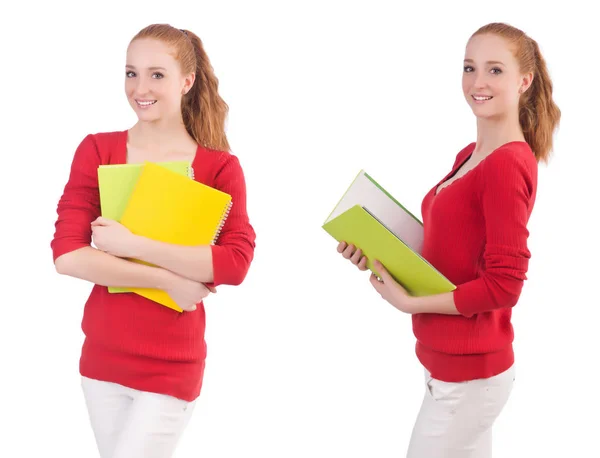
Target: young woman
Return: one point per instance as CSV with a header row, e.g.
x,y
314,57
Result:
x,y
475,226
142,363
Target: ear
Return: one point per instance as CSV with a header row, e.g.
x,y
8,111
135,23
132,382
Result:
x,y
188,82
526,81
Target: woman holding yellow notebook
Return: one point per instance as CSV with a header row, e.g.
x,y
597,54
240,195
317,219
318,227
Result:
x,y
142,363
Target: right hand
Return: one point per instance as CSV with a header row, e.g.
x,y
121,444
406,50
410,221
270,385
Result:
x,y
187,293
353,254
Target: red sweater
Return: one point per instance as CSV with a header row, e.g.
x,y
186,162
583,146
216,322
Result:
x,y
476,235
129,339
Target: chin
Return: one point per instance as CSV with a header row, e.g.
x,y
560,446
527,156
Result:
x,y
147,117
483,113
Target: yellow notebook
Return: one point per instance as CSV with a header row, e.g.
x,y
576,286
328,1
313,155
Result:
x,y
169,207
116,183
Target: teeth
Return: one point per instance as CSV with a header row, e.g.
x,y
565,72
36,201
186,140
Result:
x,y
481,98
145,104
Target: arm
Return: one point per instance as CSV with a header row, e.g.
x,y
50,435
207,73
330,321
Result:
x,y
192,262
508,190
509,187
228,261
95,266
438,303
78,206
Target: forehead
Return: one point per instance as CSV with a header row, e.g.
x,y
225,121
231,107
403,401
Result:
x,y
489,47
148,52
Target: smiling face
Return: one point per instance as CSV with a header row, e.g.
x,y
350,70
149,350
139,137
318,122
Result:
x,y
492,82
154,83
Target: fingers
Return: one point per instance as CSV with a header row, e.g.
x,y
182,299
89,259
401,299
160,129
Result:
x,y
375,282
383,273
362,265
100,221
353,254
356,257
212,289
348,251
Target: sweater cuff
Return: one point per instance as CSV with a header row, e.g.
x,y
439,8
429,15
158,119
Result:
x,y
227,269
466,299
63,247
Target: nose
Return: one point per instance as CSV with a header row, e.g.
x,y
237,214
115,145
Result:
x,y
480,80
141,86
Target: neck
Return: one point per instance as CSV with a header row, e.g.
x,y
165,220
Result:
x,y
495,132
161,134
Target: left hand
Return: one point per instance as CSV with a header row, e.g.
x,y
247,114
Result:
x,y
390,289
113,238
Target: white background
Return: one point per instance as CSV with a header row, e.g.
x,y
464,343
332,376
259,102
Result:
x,y
304,358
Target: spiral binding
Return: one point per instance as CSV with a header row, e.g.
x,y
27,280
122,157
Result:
x,y
223,219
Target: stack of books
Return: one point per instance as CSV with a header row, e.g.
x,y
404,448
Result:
x,y
163,202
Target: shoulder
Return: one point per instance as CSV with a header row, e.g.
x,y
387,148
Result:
x,y
108,140
100,144
218,159
512,165
514,158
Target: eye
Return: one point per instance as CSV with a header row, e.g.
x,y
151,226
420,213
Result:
x,y
496,71
129,74
158,75
468,68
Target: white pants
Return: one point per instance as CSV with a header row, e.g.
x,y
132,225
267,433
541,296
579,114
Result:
x,y
128,423
455,420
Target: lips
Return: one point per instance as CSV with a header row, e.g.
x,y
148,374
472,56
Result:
x,y
145,103
482,98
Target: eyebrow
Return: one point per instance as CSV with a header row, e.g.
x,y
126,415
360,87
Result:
x,y
149,68
488,62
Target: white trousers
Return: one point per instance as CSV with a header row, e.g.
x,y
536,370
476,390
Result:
x,y
128,423
456,419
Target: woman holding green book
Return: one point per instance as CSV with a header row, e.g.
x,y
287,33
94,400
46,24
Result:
x,y
142,363
475,233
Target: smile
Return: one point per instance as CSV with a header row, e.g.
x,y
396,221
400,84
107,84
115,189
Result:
x,y
145,103
480,98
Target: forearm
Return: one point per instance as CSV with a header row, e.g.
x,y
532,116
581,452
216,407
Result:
x,y
192,262
106,270
438,303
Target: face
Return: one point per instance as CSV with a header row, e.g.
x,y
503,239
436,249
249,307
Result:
x,y
492,82
154,83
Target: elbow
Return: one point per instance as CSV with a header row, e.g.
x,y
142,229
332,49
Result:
x,y
239,276
236,274
507,293
64,264
231,268
67,263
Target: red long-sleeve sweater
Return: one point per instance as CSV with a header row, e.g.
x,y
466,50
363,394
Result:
x,y
476,235
129,339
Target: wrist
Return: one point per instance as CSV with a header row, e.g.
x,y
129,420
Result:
x,y
165,279
410,305
138,246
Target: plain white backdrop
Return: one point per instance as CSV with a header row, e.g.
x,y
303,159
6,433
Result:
x,y
304,359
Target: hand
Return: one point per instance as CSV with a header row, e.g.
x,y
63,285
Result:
x,y
390,289
187,293
354,255
113,238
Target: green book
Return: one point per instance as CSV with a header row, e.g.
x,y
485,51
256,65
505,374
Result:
x,y
116,183
371,219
